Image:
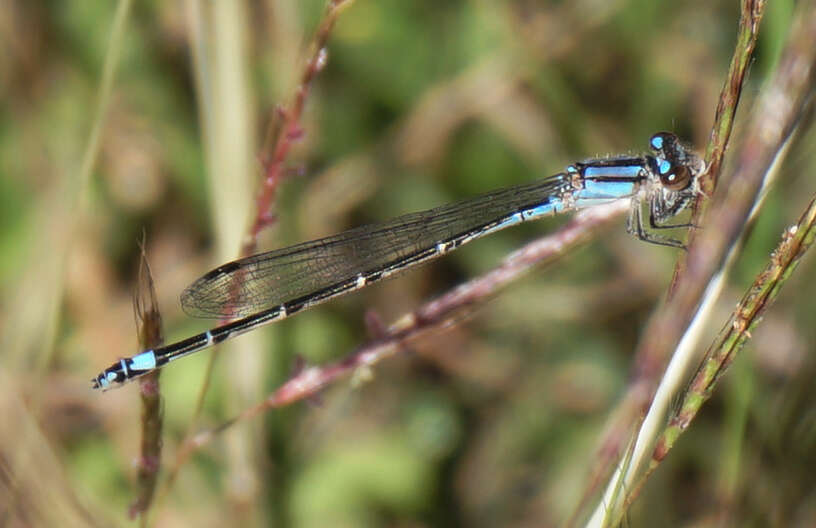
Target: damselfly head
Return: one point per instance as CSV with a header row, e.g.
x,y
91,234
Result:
x,y
677,166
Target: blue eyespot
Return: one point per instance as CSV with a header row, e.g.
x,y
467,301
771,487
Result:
x,y
657,142
663,166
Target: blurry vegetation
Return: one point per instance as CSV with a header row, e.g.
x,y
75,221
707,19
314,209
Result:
x,y
491,423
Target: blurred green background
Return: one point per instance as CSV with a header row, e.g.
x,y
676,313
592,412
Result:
x,y
494,422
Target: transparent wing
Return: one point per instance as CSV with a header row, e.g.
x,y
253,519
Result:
x,y
252,284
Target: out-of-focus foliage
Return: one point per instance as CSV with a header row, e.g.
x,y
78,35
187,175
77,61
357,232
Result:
x,y
495,422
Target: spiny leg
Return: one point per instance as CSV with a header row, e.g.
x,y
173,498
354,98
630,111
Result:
x,y
634,226
656,217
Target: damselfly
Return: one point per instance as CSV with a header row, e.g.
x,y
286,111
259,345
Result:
x,y
271,286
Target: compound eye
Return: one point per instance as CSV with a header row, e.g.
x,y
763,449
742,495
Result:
x,y
662,141
675,177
